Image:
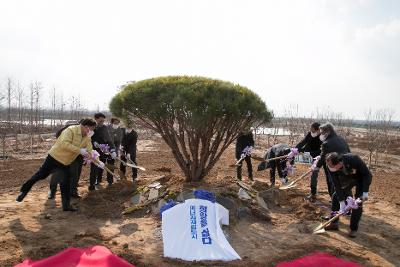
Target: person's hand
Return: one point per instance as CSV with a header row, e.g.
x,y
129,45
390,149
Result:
x,y
342,207
83,151
95,144
365,196
128,156
113,155
314,168
101,165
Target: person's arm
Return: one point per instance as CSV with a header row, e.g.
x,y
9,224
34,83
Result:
x,y
65,141
132,146
302,143
364,172
341,196
109,140
251,139
321,161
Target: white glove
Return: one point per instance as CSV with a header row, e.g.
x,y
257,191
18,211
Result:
x,y
121,147
101,165
342,207
113,155
128,156
365,196
83,151
96,145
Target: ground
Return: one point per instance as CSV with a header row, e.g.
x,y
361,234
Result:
x,y
37,228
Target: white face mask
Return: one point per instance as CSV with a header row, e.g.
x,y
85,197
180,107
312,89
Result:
x,y
115,126
128,130
322,137
314,134
90,133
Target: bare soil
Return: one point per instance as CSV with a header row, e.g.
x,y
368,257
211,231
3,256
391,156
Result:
x,y
38,228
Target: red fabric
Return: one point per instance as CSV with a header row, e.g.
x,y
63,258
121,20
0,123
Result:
x,y
98,256
318,260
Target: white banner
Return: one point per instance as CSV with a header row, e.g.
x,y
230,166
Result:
x,y
192,231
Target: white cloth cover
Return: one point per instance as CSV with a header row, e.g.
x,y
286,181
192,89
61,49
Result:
x,y
191,231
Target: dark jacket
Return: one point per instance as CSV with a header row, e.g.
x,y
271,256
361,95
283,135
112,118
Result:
x,y
129,141
102,136
333,143
242,141
310,144
275,151
354,171
116,135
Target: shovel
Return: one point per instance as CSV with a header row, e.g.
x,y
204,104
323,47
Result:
x,y
293,183
321,227
131,164
97,162
239,162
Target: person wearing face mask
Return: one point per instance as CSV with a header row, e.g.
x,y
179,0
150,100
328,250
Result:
x,y
101,136
116,136
282,165
73,141
75,170
331,142
348,171
312,144
129,141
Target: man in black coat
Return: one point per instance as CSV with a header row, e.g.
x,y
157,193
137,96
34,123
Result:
x,y
116,133
244,139
129,140
331,142
275,151
312,144
101,137
348,171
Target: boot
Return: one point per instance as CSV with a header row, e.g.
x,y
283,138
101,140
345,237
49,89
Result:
x,y
352,233
21,196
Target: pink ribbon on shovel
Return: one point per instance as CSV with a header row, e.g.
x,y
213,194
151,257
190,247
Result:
x,y
246,151
293,152
88,158
352,203
315,162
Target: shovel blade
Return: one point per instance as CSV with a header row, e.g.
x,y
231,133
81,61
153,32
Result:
x,y
288,186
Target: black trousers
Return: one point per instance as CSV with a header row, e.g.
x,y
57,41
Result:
x,y
280,165
122,167
249,168
355,214
74,173
96,173
49,166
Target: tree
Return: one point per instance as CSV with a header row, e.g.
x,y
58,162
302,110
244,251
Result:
x,y
197,117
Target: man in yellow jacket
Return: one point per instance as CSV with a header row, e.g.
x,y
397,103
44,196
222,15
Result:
x,y
73,141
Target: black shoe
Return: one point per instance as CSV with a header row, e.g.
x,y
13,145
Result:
x,y
50,195
312,198
251,178
92,188
21,196
70,208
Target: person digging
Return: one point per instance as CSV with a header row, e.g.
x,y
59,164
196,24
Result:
x,y
348,171
74,141
283,165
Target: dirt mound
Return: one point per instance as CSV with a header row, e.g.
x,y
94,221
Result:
x,y
107,202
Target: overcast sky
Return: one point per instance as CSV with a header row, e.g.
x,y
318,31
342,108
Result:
x,y
338,55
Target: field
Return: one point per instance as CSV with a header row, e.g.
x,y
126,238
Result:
x,y
37,228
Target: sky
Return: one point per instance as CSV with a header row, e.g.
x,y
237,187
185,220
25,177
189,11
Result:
x,y
342,56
